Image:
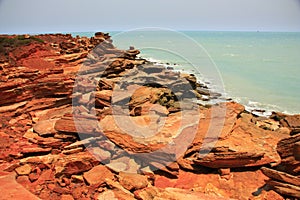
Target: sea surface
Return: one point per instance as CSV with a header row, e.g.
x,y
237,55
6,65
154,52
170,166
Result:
x,y
261,70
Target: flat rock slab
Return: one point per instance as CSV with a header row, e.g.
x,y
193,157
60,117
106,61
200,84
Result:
x,y
97,175
281,176
76,124
10,189
149,133
285,189
45,127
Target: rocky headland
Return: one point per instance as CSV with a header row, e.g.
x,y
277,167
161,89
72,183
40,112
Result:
x,y
81,119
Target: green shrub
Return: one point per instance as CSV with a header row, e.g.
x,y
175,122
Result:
x,y
9,43
18,41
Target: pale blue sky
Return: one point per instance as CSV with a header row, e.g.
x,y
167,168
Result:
x,y
36,16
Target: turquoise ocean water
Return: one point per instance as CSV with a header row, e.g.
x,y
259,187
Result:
x,y
261,70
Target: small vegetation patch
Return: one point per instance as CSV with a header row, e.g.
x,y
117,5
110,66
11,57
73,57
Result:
x,y
8,43
19,40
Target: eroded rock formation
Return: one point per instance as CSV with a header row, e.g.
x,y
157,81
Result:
x,y
81,119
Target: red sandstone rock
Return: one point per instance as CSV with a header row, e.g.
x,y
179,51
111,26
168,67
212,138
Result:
x,y
173,193
286,149
109,194
32,150
97,175
138,134
67,197
76,167
38,96
72,151
10,189
281,176
240,186
82,125
23,170
285,189
282,182
290,121
240,142
35,174
104,95
119,190
147,107
224,171
45,128
132,181
100,154
106,84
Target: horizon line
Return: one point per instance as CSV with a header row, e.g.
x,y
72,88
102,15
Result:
x,y
126,30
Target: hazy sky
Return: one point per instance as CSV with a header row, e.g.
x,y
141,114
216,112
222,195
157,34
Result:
x,y
31,16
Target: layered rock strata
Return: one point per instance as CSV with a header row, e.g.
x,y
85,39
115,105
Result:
x,y
81,119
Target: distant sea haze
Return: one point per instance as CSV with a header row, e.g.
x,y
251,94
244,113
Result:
x,y
261,70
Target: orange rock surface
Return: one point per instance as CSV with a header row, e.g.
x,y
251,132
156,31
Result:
x,y
81,119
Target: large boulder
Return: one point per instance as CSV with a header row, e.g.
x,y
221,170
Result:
x,y
235,141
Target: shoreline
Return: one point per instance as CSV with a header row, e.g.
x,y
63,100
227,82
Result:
x,y
266,73
257,108
133,132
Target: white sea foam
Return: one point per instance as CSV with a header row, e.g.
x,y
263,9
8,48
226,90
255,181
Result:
x,y
230,54
153,60
257,108
252,65
260,109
